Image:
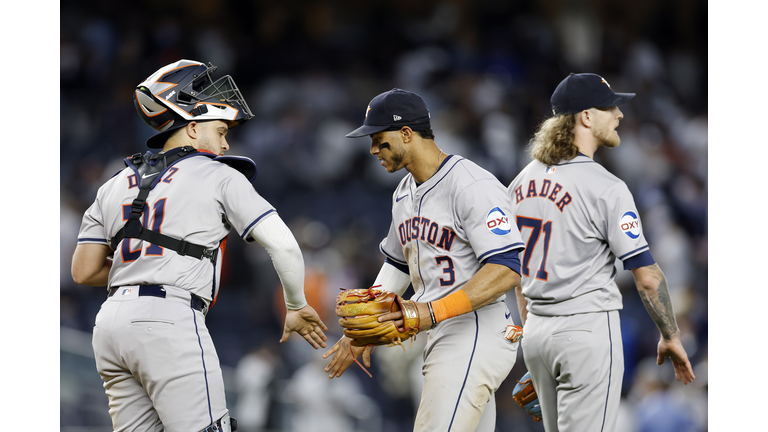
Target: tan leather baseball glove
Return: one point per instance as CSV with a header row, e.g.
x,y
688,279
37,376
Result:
x,y
359,309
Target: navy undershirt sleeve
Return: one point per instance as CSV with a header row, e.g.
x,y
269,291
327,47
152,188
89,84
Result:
x,y
509,259
401,267
640,260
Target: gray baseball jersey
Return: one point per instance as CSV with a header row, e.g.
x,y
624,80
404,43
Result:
x,y
443,229
446,227
213,199
152,348
576,219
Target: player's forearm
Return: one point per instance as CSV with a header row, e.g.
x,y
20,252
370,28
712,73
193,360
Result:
x,y
652,288
282,247
291,273
482,289
99,278
91,265
522,304
490,283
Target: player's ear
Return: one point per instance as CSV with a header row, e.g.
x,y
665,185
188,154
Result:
x,y
406,134
585,118
193,129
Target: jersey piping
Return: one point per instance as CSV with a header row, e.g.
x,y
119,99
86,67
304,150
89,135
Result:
x,y
634,252
421,202
248,230
391,257
205,370
610,370
92,240
513,246
573,162
466,375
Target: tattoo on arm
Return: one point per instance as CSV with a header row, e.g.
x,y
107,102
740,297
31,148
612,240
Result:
x,y
659,306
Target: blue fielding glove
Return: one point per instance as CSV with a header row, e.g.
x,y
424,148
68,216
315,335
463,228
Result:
x,y
525,395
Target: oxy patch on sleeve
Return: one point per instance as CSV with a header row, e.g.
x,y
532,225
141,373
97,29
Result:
x,y
630,224
498,222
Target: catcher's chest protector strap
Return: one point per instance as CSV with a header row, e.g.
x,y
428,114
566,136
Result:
x,y
149,169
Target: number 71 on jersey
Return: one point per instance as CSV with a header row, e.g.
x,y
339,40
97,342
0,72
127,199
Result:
x,y
537,226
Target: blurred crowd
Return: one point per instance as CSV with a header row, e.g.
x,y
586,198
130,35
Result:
x,y
308,69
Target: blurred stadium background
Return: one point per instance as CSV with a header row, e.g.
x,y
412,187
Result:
x,y
308,70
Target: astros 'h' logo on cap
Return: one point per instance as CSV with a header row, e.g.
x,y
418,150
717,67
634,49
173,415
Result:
x,y
606,83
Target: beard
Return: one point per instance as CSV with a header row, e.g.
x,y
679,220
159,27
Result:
x,y
606,137
207,144
204,143
398,155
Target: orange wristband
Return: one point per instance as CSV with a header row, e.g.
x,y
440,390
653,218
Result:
x,y
451,305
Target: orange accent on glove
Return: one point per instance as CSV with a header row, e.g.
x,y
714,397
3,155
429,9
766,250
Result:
x,y
451,305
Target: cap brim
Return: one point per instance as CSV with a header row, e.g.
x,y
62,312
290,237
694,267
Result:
x,y
616,100
366,130
158,141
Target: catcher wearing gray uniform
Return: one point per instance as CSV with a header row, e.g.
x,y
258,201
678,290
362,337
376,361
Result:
x,y
155,236
576,219
452,238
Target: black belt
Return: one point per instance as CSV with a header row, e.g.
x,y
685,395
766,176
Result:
x,y
196,303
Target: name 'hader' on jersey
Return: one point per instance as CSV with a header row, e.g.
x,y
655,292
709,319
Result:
x,y
545,193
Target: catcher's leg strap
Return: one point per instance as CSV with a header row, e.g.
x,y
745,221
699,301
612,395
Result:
x,y
224,424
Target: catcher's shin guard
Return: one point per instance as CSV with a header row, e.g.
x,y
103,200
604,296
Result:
x,y
224,424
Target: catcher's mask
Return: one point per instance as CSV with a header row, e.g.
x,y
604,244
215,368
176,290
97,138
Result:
x,y
185,91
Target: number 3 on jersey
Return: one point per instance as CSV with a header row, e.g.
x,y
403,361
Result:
x,y
157,221
536,226
448,270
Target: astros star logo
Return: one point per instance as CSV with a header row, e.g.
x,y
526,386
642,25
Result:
x,y
603,79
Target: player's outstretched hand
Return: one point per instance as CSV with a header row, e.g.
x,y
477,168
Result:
x,y
345,356
307,323
674,350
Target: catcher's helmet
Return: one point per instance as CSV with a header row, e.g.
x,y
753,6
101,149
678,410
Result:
x,y
185,91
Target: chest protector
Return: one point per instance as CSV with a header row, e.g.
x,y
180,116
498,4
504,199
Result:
x,y
149,169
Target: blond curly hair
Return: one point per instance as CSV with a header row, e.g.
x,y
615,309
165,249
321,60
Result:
x,y
553,141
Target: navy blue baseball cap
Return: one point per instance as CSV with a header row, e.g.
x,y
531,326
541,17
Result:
x,y
578,92
392,110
